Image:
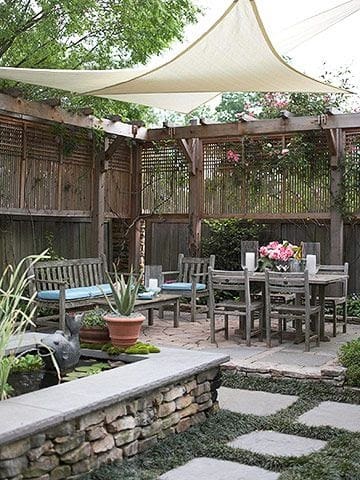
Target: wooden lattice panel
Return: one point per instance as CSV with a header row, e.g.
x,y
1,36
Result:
x,y
352,172
118,182
257,176
76,174
165,177
42,158
11,149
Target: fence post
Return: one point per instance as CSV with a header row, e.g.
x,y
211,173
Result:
x,y
336,139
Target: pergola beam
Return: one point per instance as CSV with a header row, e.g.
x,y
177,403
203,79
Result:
x,y
260,127
42,111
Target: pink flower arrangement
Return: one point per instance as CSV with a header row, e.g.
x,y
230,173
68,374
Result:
x,y
279,251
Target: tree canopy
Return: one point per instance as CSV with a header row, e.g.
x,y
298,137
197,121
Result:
x,y
89,34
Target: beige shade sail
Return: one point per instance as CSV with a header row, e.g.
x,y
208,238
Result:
x,y
234,55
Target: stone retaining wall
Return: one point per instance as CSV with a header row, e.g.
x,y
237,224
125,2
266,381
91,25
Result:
x,y
334,374
68,450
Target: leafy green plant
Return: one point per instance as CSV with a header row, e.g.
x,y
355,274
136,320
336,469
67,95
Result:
x,y
353,305
349,357
124,293
27,363
94,318
223,237
16,312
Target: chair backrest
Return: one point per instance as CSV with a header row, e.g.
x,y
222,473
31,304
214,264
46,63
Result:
x,y
189,266
229,280
337,269
286,283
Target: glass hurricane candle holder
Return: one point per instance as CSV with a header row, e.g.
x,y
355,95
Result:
x,y
250,255
311,255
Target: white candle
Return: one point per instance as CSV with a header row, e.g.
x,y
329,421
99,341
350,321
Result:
x,y
311,264
250,261
153,283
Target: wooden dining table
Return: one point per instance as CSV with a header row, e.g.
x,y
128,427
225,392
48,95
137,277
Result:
x,y
318,284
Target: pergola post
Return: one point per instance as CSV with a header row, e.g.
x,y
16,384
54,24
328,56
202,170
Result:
x,y
195,198
336,140
135,206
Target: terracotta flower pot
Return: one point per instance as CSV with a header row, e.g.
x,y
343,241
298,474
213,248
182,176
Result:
x,y
124,331
94,335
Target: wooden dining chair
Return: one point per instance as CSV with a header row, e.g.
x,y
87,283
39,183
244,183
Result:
x,y
190,280
244,307
335,301
292,283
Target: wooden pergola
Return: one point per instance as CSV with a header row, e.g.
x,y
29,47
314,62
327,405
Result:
x,y
189,140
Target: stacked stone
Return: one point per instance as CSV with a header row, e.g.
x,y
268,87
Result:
x,y
332,374
121,430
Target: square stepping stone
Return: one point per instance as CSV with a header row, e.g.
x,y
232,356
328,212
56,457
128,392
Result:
x,y
277,444
211,469
333,414
252,402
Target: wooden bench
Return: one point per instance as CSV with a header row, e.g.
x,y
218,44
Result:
x,y
67,285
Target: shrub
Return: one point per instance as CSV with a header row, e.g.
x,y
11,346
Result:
x,y
353,305
349,357
223,238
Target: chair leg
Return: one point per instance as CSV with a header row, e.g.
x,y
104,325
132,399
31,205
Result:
x,y
268,327
307,334
281,323
334,321
226,327
248,329
212,327
193,309
161,312
261,326
317,331
344,317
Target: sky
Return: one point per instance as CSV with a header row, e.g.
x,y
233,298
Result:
x,y
333,50
337,47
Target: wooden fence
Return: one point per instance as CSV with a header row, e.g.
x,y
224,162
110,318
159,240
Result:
x,y
48,189
301,174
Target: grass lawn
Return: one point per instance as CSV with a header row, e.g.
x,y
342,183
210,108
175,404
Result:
x,y
340,460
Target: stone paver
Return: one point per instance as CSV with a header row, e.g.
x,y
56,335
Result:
x,y
278,444
211,469
333,414
253,402
301,359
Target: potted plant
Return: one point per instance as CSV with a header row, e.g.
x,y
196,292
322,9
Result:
x,y
94,328
123,323
26,373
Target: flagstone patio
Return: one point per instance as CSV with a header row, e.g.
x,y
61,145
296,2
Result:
x,y
286,360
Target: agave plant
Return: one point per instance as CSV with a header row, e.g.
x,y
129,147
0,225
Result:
x,y
124,293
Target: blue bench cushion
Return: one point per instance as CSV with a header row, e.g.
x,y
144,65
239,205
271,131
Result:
x,y
76,293
182,286
98,290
